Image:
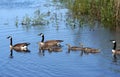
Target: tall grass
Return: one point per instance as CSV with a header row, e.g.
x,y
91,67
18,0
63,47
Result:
x,y
105,11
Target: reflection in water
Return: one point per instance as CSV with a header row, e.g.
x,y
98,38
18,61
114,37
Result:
x,y
116,58
55,49
41,52
51,50
82,52
20,51
11,53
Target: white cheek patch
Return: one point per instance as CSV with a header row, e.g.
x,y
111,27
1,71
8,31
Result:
x,y
113,41
42,34
113,51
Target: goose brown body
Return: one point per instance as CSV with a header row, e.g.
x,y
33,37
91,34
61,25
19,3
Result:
x,y
18,46
49,43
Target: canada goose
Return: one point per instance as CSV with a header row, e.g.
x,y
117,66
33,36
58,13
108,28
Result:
x,y
74,48
114,50
18,46
90,50
49,43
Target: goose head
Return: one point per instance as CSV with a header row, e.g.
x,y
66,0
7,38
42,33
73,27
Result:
x,y
9,37
113,41
114,45
41,34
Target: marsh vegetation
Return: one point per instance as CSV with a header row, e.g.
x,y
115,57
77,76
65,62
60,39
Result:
x,y
106,12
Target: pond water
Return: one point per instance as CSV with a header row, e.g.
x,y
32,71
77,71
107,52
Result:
x,y
54,64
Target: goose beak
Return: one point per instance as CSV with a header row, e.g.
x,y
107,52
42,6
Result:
x,y
40,34
8,37
111,40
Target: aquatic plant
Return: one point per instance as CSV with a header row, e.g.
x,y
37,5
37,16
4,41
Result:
x,y
105,11
26,20
37,19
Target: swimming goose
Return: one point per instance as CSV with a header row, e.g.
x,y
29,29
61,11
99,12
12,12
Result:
x,y
90,50
49,43
18,46
74,48
114,50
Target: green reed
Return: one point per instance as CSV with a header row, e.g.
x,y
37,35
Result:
x,y
105,11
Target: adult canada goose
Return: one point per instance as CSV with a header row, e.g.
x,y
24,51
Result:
x,y
74,48
18,46
114,50
49,43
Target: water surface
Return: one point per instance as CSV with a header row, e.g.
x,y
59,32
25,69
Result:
x,y
55,64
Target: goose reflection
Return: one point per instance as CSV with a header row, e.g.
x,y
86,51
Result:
x,y
11,53
55,49
19,51
50,50
41,52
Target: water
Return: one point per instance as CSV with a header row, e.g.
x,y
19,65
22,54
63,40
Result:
x,y
55,64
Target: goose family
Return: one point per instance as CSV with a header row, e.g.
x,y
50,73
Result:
x,y
55,45
18,46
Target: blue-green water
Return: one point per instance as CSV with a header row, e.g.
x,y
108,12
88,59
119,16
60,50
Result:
x,y
55,64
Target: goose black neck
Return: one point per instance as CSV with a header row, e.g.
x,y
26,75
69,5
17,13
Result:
x,y
42,39
11,41
114,47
